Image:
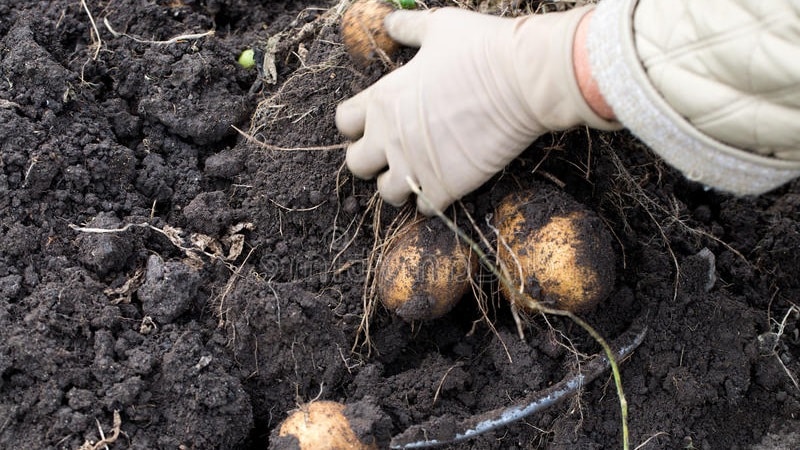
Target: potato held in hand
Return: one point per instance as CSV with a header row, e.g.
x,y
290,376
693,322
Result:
x,y
322,426
562,250
425,272
363,32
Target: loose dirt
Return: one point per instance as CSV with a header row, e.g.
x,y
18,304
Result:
x,y
155,262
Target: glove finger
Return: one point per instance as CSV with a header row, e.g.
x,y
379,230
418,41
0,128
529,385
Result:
x,y
393,187
433,201
407,27
351,114
365,159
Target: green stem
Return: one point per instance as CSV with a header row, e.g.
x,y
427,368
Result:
x,y
405,4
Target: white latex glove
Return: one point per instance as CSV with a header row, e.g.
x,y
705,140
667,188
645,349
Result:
x,y
478,92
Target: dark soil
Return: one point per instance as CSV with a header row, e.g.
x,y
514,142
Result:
x,y
205,336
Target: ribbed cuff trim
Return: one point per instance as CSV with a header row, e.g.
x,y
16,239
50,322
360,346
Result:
x,y
637,105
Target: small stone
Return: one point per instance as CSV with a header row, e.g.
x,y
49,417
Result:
x,y
209,213
104,252
350,205
168,289
225,164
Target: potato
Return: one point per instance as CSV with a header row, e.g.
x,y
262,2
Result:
x,y
322,425
363,32
562,250
425,272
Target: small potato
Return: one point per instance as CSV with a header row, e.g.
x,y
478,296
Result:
x,y
425,272
555,249
363,32
322,425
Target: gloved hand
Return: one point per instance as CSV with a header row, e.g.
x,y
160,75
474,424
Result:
x,y
478,92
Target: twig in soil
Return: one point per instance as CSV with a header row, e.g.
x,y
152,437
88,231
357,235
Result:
x,y
125,292
199,243
647,441
110,230
334,227
221,313
772,338
337,190
104,441
346,360
286,208
96,40
277,304
34,160
441,383
588,153
172,40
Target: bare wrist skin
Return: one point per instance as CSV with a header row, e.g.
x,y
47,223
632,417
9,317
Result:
x,y
583,74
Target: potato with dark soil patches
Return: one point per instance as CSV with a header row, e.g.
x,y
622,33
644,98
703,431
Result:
x,y
561,249
425,272
322,425
363,32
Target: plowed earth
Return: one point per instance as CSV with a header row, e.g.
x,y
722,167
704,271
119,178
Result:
x,y
155,262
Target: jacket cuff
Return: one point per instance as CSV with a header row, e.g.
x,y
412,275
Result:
x,y
626,88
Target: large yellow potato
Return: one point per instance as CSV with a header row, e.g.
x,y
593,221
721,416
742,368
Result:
x,y
363,32
322,425
555,250
425,272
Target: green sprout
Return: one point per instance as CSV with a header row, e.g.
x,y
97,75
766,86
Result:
x,y
247,59
405,4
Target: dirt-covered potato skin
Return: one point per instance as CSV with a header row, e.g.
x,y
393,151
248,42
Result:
x,y
320,425
562,249
425,272
363,31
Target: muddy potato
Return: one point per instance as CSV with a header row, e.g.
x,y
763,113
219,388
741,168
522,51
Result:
x,y
322,425
425,272
561,250
363,31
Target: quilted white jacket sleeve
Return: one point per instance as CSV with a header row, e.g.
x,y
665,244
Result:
x,y
711,86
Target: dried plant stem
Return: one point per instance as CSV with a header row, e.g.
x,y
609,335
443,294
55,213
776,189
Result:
x,y
172,40
98,42
104,441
